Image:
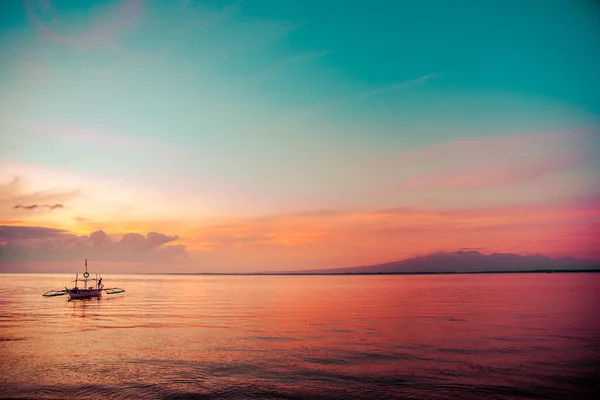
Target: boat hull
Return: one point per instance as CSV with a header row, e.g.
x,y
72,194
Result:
x,y
84,293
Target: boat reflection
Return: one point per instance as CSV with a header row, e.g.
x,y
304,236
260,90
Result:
x,y
82,307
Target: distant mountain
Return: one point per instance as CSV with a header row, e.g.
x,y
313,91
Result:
x,y
465,262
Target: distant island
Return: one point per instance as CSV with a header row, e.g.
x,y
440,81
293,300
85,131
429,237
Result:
x,y
464,262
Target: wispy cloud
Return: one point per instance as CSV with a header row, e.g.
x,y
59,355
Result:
x,y
36,206
17,191
110,141
380,90
388,88
363,95
89,136
545,160
288,62
102,33
508,175
484,147
225,11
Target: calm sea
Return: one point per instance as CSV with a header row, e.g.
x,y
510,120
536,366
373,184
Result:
x,y
500,336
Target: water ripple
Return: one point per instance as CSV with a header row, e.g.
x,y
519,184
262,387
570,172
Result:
x,y
394,337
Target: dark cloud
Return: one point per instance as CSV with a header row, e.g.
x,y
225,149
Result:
x,y
100,239
36,206
155,239
22,243
138,242
10,233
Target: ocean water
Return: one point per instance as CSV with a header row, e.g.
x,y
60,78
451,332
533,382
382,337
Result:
x,y
496,336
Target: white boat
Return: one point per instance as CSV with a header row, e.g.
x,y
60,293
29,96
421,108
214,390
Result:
x,y
92,287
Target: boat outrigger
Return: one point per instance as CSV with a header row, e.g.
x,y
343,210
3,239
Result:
x,y
95,289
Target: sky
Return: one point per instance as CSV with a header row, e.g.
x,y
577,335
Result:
x,y
259,135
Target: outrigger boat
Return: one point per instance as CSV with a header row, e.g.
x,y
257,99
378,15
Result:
x,y
95,289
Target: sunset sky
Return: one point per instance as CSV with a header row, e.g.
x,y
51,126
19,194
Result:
x,y
224,136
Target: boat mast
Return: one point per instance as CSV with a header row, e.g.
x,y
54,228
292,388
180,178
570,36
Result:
x,y
85,281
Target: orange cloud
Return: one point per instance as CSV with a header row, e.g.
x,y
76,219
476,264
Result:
x,y
330,238
352,238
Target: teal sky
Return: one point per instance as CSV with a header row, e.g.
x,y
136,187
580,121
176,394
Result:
x,y
195,110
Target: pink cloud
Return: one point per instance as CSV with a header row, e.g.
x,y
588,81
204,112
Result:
x,y
100,137
101,35
551,162
86,135
481,148
510,175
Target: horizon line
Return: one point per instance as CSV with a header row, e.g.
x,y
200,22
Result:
x,y
531,271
